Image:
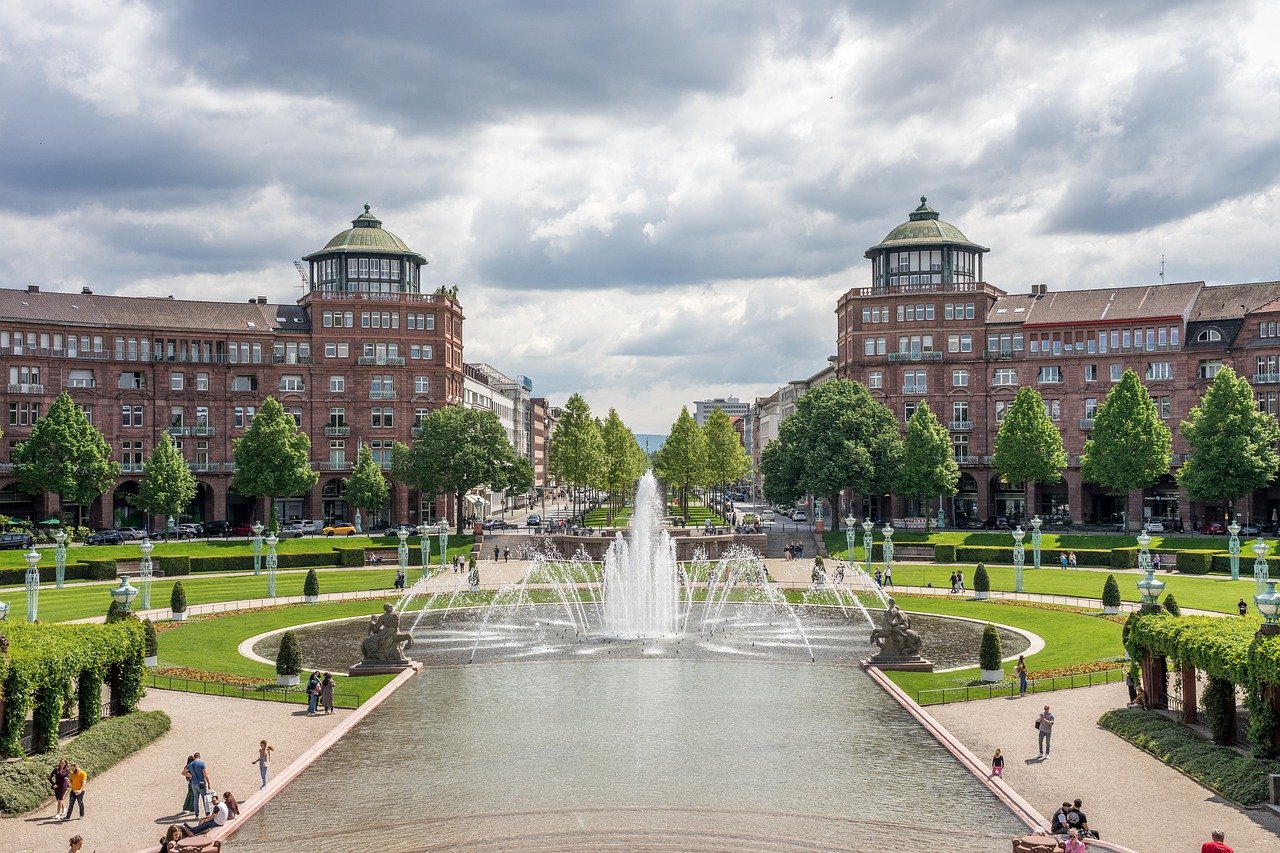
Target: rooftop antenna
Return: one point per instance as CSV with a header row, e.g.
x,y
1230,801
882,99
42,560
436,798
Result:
x,y
1161,267
302,273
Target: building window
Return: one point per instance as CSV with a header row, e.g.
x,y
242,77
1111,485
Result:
x,y
960,378
960,411
1165,404
960,446
130,381
337,453
909,409
419,415
422,385
1208,335
337,384
291,382
1091,373
243,416
1005,376
23,414
1049,375
244,383
915,382
130,416
422,352
131,455
1159,370
1002,409
1209,369
80,379
202,382
1117,370
297,416
875,379
382,417
176,381
382,388
1091,408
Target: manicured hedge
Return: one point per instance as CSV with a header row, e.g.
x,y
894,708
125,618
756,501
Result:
x,y
48,574
174,567
1049,557
944,553
24,784
1219,768
244,562
1196,562
101,570
351,556
1222,563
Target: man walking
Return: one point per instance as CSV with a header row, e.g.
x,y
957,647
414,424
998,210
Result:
x,y
199,773
1044,728
77,781
1242,608
1217,845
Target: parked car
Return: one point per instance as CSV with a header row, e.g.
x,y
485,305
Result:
x,y
1214,528
339,530
175,532
192,529
800,515
216,528
16,539
534,520
1249,529
104,537
244,528
1155,525
292,530
499,524
131,534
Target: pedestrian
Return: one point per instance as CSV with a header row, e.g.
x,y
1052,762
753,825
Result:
x,y
1073,844
77,781
1242,608
198,772
506,555
953,581
58,781
1021,669
1044,728
313,693
1217,845
879,578
888,575
1155,562
188,804
232,804
959,581
400,579
264,758
326,693
75,844
1131,685
218,816
1071,559
1062,560
1076,820
495,553
997,764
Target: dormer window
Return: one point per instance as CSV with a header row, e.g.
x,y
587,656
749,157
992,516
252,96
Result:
x,y
1208,335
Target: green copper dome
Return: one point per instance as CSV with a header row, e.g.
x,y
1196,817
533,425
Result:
x,y
366,236
923,229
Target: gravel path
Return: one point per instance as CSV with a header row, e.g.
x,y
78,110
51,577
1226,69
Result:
x,y
128,807
1129,796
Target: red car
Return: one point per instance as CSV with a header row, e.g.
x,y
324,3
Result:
x,y
1214,528
243,529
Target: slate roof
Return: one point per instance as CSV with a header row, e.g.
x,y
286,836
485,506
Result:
x,y
366,236
1104,306
1235,300
923,228
145,312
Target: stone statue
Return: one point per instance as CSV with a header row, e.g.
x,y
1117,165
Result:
x,y
382,645
895,638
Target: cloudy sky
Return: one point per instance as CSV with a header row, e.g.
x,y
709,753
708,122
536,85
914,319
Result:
x,y
647,202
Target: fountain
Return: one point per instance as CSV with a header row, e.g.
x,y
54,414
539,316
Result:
x,y
641,587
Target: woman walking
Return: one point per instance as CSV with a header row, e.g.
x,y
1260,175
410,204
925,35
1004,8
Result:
x,y
1022,675
58,780
263,759
189,804
326,693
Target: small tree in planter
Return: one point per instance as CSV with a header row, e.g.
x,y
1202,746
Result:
x,y
311,587
981,583
288,660
1171,605
1111,596
150,646
990,655
178,603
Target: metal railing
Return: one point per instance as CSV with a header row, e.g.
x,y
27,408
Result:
x,y
946,695
915,356
381,360
334,430
66,728
26,388
960,426
382,395
1086,423
268,692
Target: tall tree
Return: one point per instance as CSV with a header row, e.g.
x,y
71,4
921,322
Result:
x,y
168,485
681,462
1028,444
366,488
67,456
727,461
928,465
624,461
458,449
272,458
576,456
838,437
1129,447
1232,444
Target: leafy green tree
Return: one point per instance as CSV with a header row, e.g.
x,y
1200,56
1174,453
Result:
x,y
168,485
178,598
272,458
1232,444
576,456
624,461
990,655
289,656
928,465
1028,444
456,450
66,456
681,462
727,460
1130,446
366,488
839,437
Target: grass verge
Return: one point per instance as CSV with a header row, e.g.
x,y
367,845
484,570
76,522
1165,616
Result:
x,y
1237,777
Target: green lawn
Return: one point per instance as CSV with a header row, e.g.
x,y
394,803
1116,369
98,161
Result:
x,y
600,517
1071,541
1070,638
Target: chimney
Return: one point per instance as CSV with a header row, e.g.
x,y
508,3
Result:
x,y
262,300
33,288
86,291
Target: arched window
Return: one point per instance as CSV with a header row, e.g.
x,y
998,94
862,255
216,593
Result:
x,y
1207,335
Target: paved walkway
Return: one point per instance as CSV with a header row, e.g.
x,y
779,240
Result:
x,y
1130,797
129,806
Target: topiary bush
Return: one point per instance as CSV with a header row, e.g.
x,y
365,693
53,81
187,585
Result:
x,y
289,658
981,581
311,586
150,647
1111,592
990,655
178,598
1171,605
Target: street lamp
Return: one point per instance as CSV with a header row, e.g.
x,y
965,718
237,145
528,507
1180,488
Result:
x,y
868,541
144,573
1144,556
4,610
124,594
1268,604
60,558
442,532
888,548
271,564
402,550
257,547
32,583
1035,541
1260,573
850,534
1233,548
1019,557
424,545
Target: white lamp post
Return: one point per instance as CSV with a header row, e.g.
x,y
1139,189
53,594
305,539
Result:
x,y
442,532
850,533
32,583
60,558
402,550
1233,548
257,547
1268,604
1150,586
4,610
888,548
424,544
1260,572
271,564
868,541
144,573
1035,541
1019,557
124,594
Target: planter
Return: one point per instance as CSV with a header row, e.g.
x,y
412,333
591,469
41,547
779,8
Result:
x,y
150,660
980,595
287,680
177,616
1108,610
993,675
310,599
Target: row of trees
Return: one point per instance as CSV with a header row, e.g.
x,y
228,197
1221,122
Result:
x,y
710,456
841,437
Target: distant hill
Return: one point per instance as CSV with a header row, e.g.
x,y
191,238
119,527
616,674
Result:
x,y
649,443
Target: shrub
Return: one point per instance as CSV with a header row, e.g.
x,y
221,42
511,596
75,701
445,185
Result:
x,y
311,586
116,612
149,644
1196,562
1111,592
101,570
351,556
1124,558
981,582
990,655
1171,604
178,598
944,553
289,658
1222,562
24,784
174,566
1216,700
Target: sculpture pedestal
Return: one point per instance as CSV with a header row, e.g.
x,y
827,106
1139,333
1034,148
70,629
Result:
x,y
363,668
900,664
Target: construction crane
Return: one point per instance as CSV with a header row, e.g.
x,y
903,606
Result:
x,y
302,273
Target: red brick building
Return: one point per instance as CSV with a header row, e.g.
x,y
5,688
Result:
x,y
928,328
359,359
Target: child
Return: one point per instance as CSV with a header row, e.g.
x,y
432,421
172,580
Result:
x,y
263,759
997,764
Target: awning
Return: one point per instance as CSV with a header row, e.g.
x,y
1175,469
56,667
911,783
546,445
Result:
x,y
477,501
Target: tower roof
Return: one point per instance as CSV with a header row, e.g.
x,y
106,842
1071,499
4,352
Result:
x,y
923,229
366,236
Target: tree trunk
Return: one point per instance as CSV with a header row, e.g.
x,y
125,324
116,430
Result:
x,y
458,511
